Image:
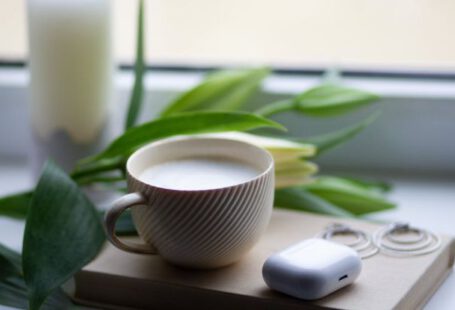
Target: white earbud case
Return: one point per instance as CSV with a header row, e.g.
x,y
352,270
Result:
x,y
312,269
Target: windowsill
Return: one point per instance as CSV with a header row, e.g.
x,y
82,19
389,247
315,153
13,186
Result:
x,y
417,112
424,202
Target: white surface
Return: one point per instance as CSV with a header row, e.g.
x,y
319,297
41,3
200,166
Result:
x,y
428,203
275,83
328,268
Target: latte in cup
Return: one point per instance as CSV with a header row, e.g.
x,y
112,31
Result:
x,y
198,173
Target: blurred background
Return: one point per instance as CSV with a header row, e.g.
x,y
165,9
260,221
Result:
x,y
411,35
403,51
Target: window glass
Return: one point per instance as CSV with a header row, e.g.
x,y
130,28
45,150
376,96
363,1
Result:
x,y
365,34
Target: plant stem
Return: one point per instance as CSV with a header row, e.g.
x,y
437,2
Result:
x,y
95,179
135,104
97,167
276,107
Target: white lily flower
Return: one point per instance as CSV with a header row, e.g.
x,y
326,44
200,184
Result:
x,y
282,150
294,172
290,167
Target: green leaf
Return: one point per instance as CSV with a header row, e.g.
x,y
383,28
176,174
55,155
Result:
x,y
297,198
330,140
277,107
135,103
59,300
63,233
10,263
185,123
13,291
101,180
377,186
86,169
329,99
351,196
16,205
12,294
323,100
224,90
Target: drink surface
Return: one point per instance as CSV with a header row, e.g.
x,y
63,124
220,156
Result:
x,y
198,173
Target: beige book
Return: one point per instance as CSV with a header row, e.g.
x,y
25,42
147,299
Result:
x,y
120,280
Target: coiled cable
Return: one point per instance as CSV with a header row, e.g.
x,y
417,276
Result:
x,y
389,239
362,243
396,239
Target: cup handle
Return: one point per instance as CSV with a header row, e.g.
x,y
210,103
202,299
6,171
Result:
x,y
120,205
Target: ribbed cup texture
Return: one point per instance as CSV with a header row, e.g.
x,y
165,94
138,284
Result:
x,y
206,228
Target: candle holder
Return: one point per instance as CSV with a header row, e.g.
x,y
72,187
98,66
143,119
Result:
x,y
71,71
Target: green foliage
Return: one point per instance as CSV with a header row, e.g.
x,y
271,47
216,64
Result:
x,y
10,263
13,293
330,140
377,186
330,100
13,290
85,170
297,198
358,198
15,205
185,123
322,101
223,90
135,103
63,233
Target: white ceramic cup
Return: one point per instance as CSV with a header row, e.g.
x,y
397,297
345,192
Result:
x,y
207,228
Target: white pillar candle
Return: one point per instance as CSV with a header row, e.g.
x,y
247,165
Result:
x,y
71,70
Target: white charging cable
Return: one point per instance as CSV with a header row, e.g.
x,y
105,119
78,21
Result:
x,y
362,242
387,240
